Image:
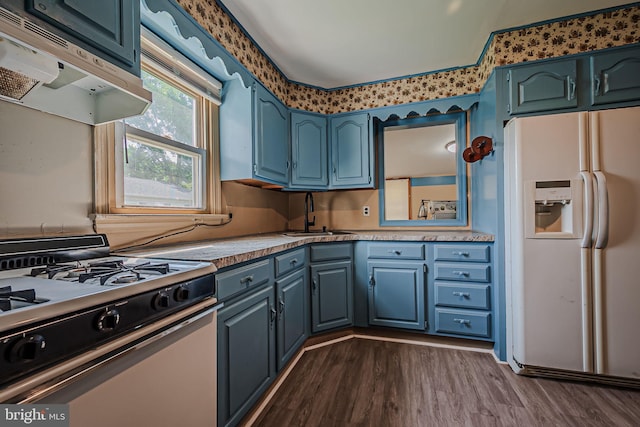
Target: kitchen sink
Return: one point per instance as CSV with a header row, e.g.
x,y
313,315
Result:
x,y
315,233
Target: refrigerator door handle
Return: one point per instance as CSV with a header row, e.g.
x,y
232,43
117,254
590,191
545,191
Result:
x,y
588,227
603,210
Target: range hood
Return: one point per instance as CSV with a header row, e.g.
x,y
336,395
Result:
x,y
41,70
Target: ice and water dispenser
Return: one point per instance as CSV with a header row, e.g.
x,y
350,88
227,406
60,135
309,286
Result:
x,y
553,209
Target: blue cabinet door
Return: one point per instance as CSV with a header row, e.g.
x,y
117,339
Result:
x,y
246,353
397,294
292,315
309,151
615,76
271,127
111,26
331,295
541,87
351,151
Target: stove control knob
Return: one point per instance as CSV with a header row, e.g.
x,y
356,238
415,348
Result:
x,y
182,293
161,300
108,320
27,348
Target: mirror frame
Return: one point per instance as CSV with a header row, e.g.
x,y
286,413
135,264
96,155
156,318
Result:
x,y
459,119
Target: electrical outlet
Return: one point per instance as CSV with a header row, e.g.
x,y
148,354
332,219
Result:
x,y
365,210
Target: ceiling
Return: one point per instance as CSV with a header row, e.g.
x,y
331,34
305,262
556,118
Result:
x,y
335,43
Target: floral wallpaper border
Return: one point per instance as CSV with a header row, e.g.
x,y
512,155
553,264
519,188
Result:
x,y
554,39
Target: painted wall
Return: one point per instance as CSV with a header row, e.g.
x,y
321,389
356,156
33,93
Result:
x,y
46,173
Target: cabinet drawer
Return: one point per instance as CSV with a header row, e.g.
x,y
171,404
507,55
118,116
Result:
x,y
463,322
462,272
473,253
466,296
236,280
330,251
289,262
395,251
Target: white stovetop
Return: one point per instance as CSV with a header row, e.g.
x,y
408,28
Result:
x,y
70,296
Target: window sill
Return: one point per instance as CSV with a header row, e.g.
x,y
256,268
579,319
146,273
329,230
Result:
x,y
143,223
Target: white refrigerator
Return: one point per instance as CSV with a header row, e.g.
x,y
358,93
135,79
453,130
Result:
x,y
572,251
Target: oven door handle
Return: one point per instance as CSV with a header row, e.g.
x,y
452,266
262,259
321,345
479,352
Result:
x,y
51,380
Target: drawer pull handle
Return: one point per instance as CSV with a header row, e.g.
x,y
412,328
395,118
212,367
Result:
x,y
460,253
247,280
465,322
395,252
461,294
461,273
293,261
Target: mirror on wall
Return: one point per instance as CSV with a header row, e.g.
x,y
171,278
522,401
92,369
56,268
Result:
x,y
422,175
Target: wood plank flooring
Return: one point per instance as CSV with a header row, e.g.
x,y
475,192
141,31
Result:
x,y
363,382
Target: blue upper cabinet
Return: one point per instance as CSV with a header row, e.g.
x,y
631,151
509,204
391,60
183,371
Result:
x,y
111,27
309,158
351,151
271,138
548,86
615,77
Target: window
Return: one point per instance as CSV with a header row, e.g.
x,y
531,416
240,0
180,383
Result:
x,y
164,161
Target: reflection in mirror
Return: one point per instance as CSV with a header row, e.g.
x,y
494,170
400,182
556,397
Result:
x,y
424,177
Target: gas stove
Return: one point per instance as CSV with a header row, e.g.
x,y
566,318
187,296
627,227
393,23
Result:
x,y
43,278
62,296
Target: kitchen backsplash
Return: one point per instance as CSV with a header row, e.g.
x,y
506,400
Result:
x,y
587,33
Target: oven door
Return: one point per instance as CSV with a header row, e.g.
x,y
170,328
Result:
x,y
162,375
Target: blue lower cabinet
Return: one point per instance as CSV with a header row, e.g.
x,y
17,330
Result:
x,y
331,295
293,315
246,353
397,294
461,289
463,322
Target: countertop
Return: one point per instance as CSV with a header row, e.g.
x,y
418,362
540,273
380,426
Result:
x,y
226,252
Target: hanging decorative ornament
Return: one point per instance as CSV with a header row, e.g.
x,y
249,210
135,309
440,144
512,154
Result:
x,y
482,145
470,156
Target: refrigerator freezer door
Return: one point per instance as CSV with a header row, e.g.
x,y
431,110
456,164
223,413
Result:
x,y
544,277
617,155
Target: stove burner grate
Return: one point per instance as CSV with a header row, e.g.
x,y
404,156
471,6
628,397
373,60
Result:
x,y
107,269
25,297
101,270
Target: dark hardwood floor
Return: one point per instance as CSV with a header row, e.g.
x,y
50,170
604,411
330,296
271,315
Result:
x,y
362,382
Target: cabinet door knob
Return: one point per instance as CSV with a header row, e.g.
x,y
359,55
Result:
x,y
247,280
273,314
314,285
461,294
572,89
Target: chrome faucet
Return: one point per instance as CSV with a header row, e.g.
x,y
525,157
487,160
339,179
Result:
x,y
308,207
